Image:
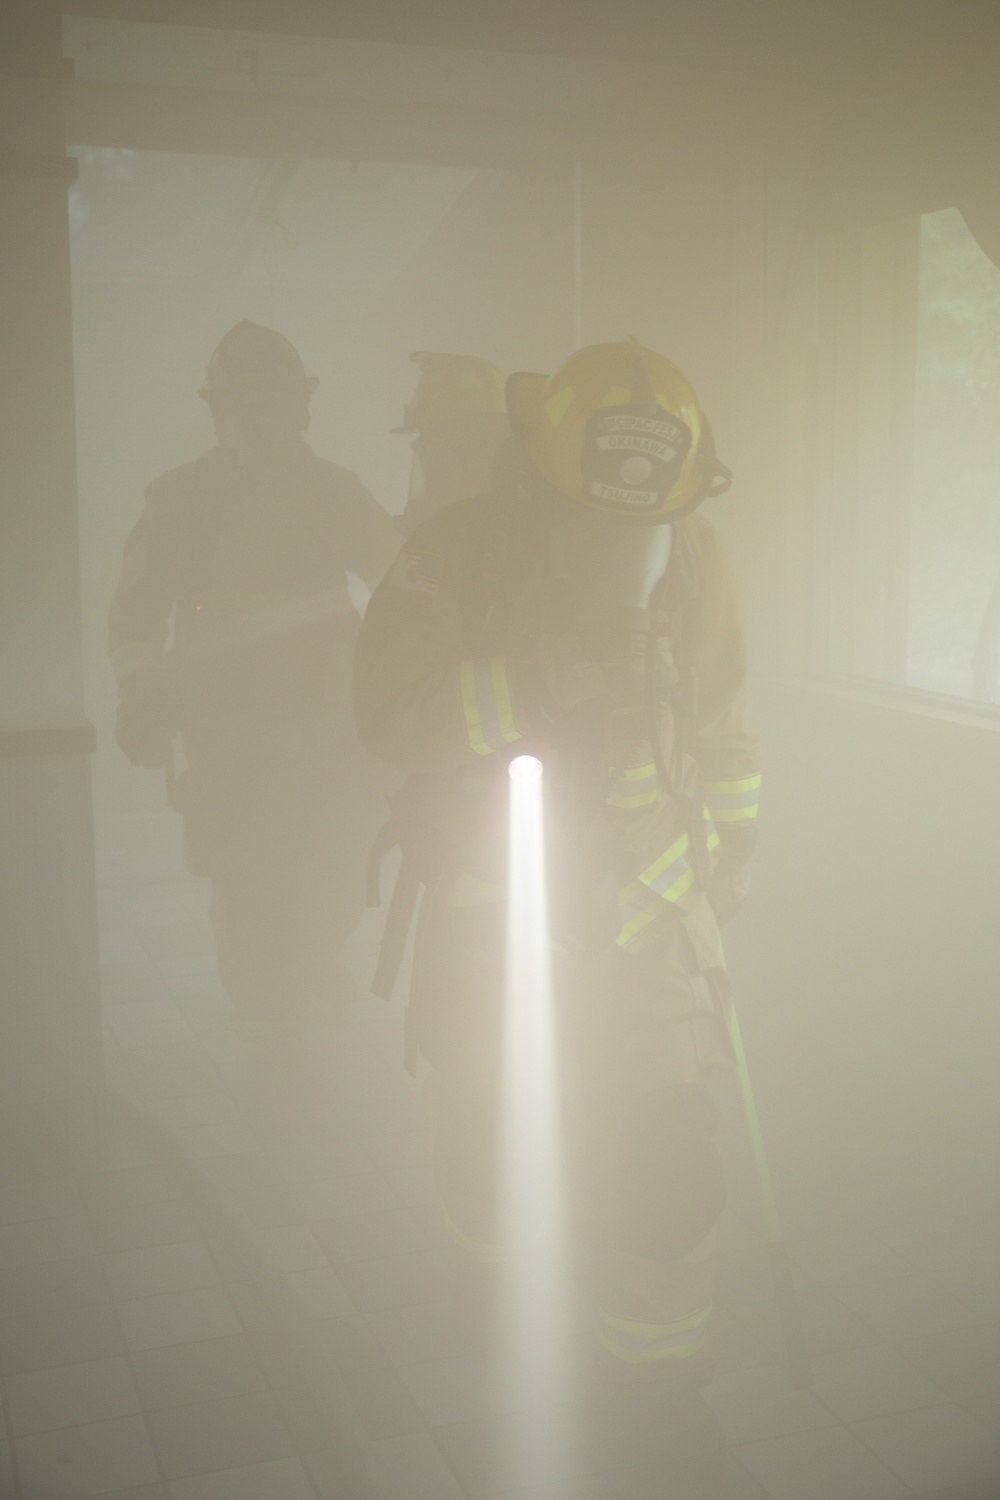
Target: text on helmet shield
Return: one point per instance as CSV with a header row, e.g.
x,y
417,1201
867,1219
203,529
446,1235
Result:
x,y
633,457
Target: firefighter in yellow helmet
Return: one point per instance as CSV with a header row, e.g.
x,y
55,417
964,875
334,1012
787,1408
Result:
x,y
457,421
241,556
583,612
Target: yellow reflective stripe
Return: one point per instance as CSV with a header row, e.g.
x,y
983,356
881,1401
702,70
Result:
x,y
735,801
638,773
747,784
680,886
636,786
501,695
669,857
470,705
558,405
486,703
641,1328
636,917
642,1343
647,1356
489,1255
640,799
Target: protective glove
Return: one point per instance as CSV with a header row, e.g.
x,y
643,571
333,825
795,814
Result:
x,y
728,889
143,726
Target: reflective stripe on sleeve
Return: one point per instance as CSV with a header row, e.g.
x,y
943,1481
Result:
x,y
733,801
671,874
668,878
486,704
639,1342
636,786
637,909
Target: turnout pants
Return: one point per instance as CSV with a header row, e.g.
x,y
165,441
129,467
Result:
x,y
642,1033
279,818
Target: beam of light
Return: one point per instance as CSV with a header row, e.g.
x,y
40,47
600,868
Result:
x,y
534,1166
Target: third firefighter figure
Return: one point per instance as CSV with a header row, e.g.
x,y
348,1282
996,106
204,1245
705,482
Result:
x,y
582,612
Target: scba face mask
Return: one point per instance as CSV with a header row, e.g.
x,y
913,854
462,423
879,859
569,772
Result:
x,y
632,458
611,566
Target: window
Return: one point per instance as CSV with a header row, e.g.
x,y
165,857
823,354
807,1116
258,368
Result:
x,y
954,602
905,458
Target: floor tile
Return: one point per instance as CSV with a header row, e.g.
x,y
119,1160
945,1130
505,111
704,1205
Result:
x,y
760,1403
485,1464
934,1448
333,1472
8,1484
594,1487
70,1395
384,1406
343,1344
907,1306
218,1138
414,1184
979,1287
321,1197
871,1382
159,1268
71,1336
391,1231
80,1461
826,1464
227,1434
53,1286
141,1492
460,1389
282,1479
318,1161
34,1240
743,1276
129,1187
726,1480
202,1371
848,1257
396,1280
986,1491
965,1362
411,1467
320,1291
178,1318
135,1227
289,1247
402,1149
56,1199
410,1335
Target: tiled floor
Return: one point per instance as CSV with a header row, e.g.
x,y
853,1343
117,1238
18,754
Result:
x,y
250,1301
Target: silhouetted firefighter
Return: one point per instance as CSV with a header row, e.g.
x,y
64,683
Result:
x,y
244,553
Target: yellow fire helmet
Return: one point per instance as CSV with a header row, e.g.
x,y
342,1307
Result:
x,y
619,429
453,385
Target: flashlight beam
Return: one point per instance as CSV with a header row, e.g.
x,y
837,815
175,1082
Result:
x,y
534,1168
